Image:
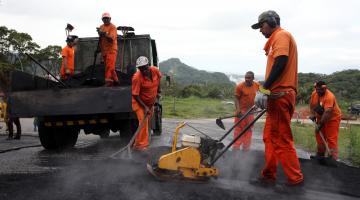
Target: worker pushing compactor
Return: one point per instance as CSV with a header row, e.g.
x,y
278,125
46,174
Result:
x,y
278,96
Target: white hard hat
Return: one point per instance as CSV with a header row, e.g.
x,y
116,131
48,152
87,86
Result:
x,y
142,61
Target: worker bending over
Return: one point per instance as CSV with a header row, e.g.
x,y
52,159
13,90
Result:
x,y
145,89
244,99
108,46
278,96
67,53
327,114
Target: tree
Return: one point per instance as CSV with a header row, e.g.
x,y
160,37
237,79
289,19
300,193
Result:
x,y
51,57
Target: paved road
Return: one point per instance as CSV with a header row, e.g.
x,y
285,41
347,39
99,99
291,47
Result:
x,y
87,172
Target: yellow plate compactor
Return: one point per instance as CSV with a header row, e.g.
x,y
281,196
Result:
x,y
196,158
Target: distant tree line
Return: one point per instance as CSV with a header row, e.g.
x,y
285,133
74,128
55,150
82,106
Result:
x,y
344,84
14,45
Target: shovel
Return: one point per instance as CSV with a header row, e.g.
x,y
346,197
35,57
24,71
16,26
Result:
x,y
327,159
128,147
221,124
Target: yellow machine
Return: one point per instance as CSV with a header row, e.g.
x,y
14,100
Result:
x,y
190,161
196,158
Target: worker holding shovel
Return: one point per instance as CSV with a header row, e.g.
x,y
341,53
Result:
x,y
244,100
145,90
327,114
108,46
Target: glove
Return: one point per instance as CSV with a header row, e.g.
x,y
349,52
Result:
x,y
261,100
67,71
101,33
264,91
312,118
318,127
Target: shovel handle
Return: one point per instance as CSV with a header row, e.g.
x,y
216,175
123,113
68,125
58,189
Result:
x,y
325,142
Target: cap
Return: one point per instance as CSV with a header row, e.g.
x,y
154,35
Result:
x,y
264,17
142,61
106,14
71,38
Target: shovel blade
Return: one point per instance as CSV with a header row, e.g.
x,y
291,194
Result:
x,y
220,123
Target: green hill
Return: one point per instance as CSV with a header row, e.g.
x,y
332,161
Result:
x,y
344,84
186,75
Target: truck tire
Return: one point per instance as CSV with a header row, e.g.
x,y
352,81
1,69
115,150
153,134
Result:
x,y
128,128
47,139
157,117
104,133
71,136
58,138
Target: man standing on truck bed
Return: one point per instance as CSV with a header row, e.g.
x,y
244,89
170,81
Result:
x,y
145,89
108,46
67,53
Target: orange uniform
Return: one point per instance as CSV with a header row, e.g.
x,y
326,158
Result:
x,y
68,53
109,51
278,139
147,90
330,130
245,95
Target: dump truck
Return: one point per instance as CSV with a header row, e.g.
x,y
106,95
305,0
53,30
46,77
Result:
x,y
82,102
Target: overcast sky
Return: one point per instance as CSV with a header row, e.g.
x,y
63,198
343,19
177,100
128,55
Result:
x,y
208,35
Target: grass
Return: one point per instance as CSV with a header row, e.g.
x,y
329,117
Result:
x,y
195,107
348,140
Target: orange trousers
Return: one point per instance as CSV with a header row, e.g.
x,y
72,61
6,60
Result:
x,y
245,139
278,139
142,139
330,132
110,60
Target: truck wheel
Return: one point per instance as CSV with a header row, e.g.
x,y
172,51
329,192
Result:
x,y
47,139
128,128
158,120
57,138
104,133
71,136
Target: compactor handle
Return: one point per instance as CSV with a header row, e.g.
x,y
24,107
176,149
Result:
x,y
181,125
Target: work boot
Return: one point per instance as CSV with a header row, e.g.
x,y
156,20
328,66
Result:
x,y
289,188
17,137
116,83
330,161
9,137
263,182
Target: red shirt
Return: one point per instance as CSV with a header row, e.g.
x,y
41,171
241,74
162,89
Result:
x,y
144,87
246,95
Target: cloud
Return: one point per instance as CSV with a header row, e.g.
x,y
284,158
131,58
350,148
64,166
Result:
x,y
204,34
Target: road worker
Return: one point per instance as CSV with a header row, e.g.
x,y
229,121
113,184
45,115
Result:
x,y
67,53
10,120
327,114
108,47
244,100
145,90
280,89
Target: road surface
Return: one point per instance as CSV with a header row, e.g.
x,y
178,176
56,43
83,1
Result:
x,y
27,171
